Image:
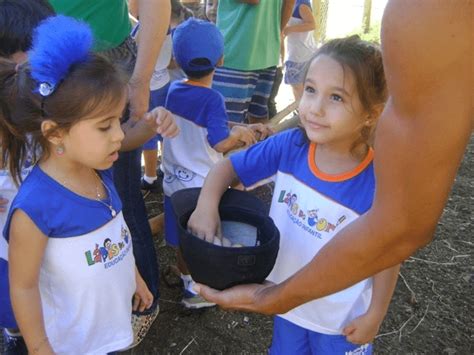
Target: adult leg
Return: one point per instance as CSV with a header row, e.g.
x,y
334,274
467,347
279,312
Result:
x,y
272,110
258,107
237,87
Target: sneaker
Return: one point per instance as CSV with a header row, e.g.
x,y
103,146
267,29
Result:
x,y
155,186
141,324
13,344
193,300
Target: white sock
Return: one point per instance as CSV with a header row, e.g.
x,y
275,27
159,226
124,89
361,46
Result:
x,y
150,179
188,282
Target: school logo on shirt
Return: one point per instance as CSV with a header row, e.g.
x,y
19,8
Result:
x,y
110,253
307,219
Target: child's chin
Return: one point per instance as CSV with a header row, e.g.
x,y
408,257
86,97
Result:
x,y
315,138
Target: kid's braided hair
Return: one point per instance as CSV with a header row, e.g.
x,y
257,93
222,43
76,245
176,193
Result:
x,y
63,81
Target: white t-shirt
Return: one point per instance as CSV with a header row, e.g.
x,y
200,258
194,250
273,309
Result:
x,y
300,46
160,76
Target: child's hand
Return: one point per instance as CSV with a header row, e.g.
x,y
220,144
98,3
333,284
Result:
x,y
363,329
205,224
244,135
261,130
163,122
142,299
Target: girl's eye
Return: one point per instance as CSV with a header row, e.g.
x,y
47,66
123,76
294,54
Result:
x,y
336,97
309,89
105,129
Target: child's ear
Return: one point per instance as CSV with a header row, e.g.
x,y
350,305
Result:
x,y
220,63
50,131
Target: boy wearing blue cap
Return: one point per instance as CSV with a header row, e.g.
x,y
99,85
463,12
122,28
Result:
x,y
200,113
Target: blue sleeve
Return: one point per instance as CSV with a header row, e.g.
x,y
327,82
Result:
x,y
217,123
29,205
263,159
296,9
39,218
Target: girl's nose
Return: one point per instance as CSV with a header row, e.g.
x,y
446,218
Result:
x,y
317,106
118,134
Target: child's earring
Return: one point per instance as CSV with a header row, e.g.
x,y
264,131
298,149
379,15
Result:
x,y
60,149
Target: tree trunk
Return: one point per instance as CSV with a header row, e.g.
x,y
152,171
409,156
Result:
x,y
366,16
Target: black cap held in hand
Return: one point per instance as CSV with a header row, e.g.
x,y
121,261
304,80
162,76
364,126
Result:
x,y
223,267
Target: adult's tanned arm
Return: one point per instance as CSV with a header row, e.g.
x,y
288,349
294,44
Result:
x,y
421,137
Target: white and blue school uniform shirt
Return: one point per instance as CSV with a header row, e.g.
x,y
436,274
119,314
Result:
x,y
200,114
87,277
300,46
310,208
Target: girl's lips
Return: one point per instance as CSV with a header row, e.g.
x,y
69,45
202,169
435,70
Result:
x,y
114,156
315,125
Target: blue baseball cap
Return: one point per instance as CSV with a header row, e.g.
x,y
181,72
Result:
x,y
195,39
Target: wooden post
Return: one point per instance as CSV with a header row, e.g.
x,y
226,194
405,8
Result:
x,y
317,18
366,16
322,19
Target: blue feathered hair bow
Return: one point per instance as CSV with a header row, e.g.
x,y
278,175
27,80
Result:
x,y
58,43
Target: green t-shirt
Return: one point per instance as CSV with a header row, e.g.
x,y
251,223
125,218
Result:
x,y
107,18
251,33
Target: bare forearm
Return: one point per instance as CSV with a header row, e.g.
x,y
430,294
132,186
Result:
x,y
152,34
133,8
26,304
383,286
230,143
136,134
358,251
286,10
218,180
302,27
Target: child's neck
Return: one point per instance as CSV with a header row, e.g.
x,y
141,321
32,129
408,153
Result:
x,y
80,179
204,81
334,160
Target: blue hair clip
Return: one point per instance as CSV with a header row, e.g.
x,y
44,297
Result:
x,y
58,43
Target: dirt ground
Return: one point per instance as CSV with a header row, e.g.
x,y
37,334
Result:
x,y
431,312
